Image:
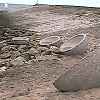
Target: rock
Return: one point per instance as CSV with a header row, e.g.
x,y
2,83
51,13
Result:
x,y
27,56
8,48
5,55
2,44
84,75
54,49
20,40
2,71
18,61
30,62
42,49
15,54
33,51
4,62
22,48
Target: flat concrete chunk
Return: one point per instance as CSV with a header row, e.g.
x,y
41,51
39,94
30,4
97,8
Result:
x,y
85,75
20,40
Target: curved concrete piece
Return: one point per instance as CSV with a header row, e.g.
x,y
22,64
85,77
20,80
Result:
x,y
76,44
52,40
84,75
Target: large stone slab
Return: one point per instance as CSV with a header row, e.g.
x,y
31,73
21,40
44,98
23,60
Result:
x,y
84,75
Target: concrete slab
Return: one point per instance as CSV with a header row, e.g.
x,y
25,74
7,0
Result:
x,y
84,75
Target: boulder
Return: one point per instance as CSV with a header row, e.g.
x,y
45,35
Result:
x,y
20,40
84,75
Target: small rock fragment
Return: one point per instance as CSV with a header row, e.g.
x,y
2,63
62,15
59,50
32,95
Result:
x,y
2,44
5,55
15,54
27,56
33,51
20,40
42,49
2,69
22,48
8,48
54,49
18,61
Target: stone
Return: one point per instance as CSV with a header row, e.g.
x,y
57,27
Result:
x,y
42,49
54,49
5,55
18,61
2,69
22,48
8,48
4,62
33,51
26,56
2,44
85,75
15,54
20,40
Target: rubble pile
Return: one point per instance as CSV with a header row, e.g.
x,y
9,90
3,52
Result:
x,y
19,46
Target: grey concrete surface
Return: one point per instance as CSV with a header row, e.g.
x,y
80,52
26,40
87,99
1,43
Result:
x,y
84,75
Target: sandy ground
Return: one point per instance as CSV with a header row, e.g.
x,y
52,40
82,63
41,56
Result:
x,y
34,80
